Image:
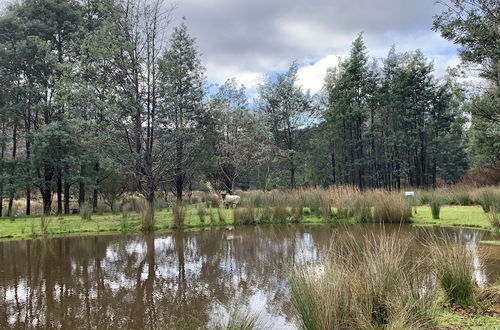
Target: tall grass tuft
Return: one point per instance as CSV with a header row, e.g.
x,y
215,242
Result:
x,y
391,208
435,204
279,212
297,210
494,217
367,285
214,201
362,208
202,213
244,215
454,267
239,320
222,216
86,211
488,198
179,213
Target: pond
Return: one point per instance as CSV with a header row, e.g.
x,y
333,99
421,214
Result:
x,y
162,280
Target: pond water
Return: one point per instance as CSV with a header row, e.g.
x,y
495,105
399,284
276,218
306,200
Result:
x,y
157,281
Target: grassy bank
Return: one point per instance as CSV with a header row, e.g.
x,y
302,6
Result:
x,y
74,225
457,207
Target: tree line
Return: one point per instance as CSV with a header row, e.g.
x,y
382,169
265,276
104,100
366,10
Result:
x,y
101,97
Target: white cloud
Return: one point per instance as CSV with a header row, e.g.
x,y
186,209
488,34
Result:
x,y
312,76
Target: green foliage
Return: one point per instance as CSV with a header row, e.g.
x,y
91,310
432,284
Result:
x,y
488,198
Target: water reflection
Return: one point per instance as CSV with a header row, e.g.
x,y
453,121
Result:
x,y
153,281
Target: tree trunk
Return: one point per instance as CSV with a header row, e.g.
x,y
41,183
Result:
x,y
81,192
96,189
12,182
59,192
147,217
66,196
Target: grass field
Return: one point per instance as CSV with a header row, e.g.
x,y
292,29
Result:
x,y
73,225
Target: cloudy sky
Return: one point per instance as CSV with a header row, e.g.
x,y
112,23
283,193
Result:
x,y
249,39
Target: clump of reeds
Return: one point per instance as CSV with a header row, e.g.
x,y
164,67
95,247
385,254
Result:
x,y
344,208
239,320
202,213
367,285
487,198
266,215
297,210
435,204
362,208
179,214
86,211
279,212
222,216
391,208
244,215
214,201
494,216
454,267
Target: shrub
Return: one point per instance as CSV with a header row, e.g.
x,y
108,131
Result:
x,y
454,267
86,211
391,208
372,284
179,213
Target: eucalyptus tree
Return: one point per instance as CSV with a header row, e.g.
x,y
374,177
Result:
x,y
181,88
474,25
242,142
287,108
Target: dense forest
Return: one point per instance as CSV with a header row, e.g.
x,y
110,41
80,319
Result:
x,y
102,97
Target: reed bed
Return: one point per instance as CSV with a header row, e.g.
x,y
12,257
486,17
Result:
x,y
368,285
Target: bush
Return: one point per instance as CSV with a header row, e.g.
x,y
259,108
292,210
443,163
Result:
x,y
454,267
86,211
494,216
391,208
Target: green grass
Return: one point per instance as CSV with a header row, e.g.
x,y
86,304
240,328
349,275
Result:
x,y
490,242
74,225
449,320
453,216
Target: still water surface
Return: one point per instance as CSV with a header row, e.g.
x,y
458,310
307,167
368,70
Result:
x,y
157,281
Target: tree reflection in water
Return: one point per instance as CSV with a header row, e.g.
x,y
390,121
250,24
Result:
x,y
153,281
